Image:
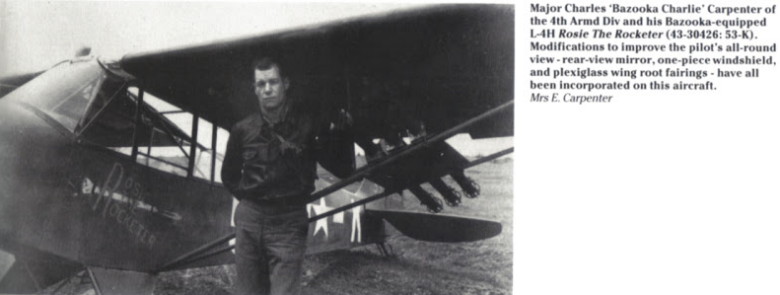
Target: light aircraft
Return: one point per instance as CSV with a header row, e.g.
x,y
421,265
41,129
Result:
x,y
96,178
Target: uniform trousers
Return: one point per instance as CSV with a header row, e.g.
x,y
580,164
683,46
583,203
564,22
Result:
x,y
270,244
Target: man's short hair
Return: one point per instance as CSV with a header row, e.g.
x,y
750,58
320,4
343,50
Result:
x,y
266,63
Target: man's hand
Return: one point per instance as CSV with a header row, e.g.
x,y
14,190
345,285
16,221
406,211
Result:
x,y
342,122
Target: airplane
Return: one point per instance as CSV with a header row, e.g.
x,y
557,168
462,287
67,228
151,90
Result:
x,y
97,180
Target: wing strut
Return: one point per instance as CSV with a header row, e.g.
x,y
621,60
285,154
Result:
x,y
193,145
489,158
213,152
136,137
203,251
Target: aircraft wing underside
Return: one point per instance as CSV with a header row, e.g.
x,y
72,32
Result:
x,y
409,72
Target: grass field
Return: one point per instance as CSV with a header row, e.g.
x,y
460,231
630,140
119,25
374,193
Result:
x,y
483,267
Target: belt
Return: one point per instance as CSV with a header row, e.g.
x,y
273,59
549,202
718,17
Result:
x,y
282,204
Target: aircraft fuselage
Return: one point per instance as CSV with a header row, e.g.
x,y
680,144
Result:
x,y
70,191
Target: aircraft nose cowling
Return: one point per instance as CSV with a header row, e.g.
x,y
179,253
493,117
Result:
x,y
34,156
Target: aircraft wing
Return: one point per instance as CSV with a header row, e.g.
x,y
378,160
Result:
x,y
424,70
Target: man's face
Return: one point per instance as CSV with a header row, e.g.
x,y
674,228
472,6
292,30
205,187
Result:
x,y
270,88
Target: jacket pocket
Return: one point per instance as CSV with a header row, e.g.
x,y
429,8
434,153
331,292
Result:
x,y
249,154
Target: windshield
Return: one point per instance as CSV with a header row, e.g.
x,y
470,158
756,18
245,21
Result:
x,y
62,92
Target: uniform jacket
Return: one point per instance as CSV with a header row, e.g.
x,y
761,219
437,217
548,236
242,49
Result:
x,y
271,164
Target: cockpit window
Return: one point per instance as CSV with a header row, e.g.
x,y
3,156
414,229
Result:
x,y
63,92
109,119
100,109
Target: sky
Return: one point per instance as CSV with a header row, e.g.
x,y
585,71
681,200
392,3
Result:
x,y
35,35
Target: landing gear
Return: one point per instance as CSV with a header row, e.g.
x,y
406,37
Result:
x,y
116,281
77,284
